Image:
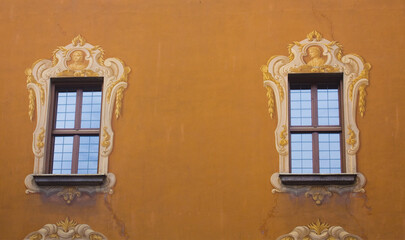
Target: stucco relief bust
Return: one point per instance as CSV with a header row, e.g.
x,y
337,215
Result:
x,y
315,55
77,61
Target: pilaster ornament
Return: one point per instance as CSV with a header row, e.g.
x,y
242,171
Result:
x,y
319,231
78,59
65,230
316,54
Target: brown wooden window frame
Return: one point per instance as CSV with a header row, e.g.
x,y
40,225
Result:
x,y
314,80
77,84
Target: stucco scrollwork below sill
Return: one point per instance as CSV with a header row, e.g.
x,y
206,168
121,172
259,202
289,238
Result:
x,y
318,192
70,189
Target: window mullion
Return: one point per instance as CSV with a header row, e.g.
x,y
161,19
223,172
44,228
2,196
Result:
x,y
315,137
75,153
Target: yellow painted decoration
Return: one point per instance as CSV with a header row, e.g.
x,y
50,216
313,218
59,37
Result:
x,y
36,236
362,100
82,73
318,226
101,57
283,136
352,137
107,137
363,74
40,138
66,224
118,102
270,103
30,79
268,77
78,40
314,34
315,69
95,237
54,58
31,103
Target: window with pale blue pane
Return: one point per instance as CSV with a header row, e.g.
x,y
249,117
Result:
x,y
328,107
66,110
62,155
88,155
301,153
329,153
91,109
300,107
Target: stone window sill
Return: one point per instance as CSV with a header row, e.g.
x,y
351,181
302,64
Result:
x,y
69,179
292,179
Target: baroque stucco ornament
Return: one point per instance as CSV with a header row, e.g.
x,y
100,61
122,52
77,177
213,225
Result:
x,y
65,230
319,231
317,55
78,59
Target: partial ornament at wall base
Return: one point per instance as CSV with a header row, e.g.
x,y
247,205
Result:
x,y
71,191
67,229
318,192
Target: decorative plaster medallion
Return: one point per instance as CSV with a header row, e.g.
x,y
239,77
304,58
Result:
x,y
319,231
78,59
317,55
65,230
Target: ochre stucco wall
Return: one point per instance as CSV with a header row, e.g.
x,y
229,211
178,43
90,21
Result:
x,y
194,148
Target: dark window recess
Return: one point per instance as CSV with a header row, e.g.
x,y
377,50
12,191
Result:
x,y
318,179
75,125
69,179
316,123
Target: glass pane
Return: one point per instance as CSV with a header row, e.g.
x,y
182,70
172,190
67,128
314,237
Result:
x,y
329,153
300,107
66,109
62,155
301,153
328,107
88,155
91,109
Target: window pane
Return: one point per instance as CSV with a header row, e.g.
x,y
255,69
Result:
x,y
62,155
88,155
300,107
65,110
328,107
91,109
329,153
301,153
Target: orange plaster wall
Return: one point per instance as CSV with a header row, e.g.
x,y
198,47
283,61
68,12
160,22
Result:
x,y
194,148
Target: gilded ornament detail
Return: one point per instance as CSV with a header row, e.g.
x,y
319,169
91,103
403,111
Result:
x,y
118,102
35,236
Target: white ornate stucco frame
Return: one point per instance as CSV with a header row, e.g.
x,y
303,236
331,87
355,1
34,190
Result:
x,y
114,74
355,79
